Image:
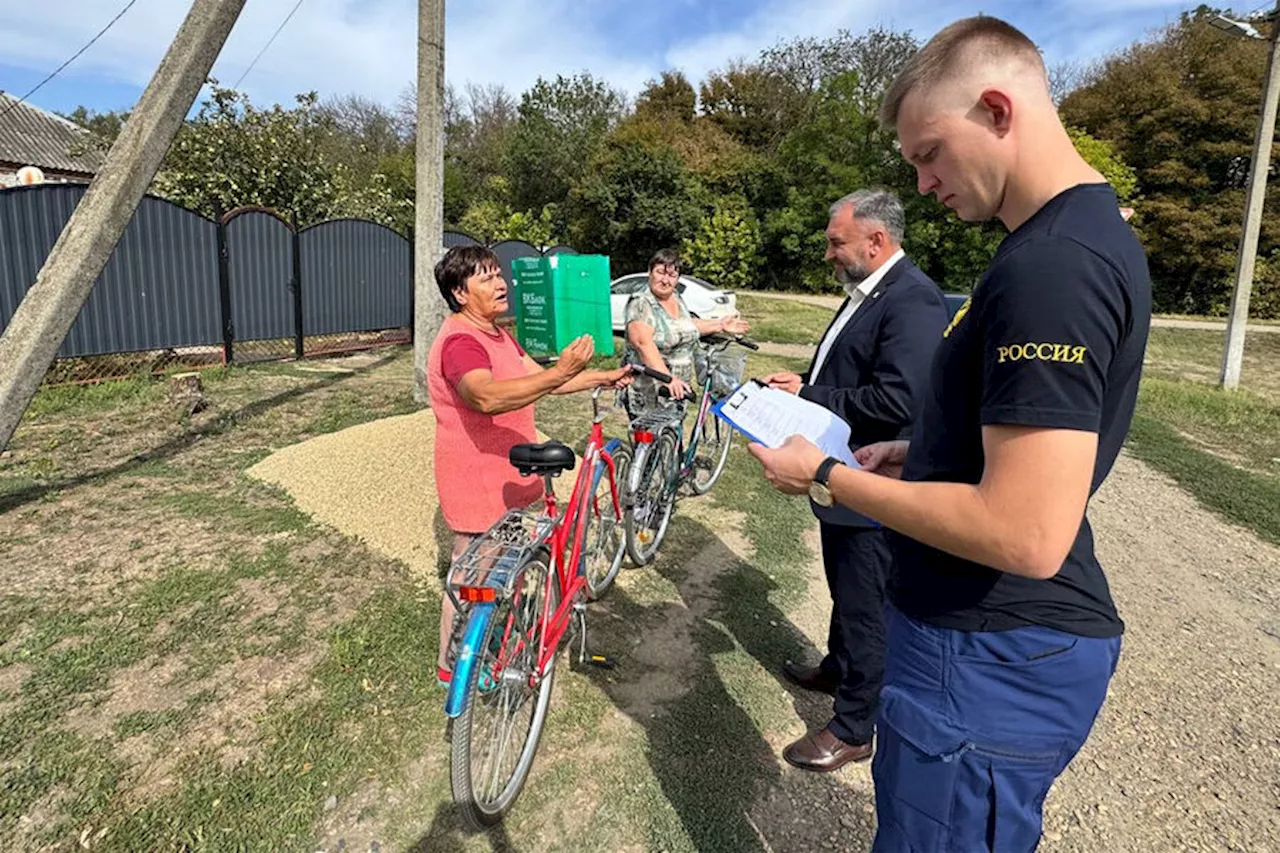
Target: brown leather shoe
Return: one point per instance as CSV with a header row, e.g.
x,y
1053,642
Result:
x,y
822,752
810,678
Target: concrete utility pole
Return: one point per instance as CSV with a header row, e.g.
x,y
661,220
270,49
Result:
x,y
428,232
49,309
1238,319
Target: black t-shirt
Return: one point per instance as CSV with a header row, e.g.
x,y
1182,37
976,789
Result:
x,y
1053,336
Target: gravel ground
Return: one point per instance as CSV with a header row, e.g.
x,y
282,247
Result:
x,y
352,479
374,482
1186,753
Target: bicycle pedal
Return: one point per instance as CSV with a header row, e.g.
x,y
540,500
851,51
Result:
x,y
601,662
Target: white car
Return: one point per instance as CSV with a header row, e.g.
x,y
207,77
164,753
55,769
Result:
x,y
699,297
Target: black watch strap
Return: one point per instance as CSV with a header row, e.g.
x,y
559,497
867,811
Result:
x,y
824,470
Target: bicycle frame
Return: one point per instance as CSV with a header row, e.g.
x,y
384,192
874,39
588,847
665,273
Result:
x,y
568,572
705,402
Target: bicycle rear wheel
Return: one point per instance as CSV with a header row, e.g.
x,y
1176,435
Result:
x,y
713,451
651,498
496,736
603,547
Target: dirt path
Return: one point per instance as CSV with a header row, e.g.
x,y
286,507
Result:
x,y
788,350
1186,753
833,302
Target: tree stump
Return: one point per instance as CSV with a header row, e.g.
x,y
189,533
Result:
x,y
186,392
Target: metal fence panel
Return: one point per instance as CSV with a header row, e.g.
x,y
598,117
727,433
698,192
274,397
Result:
x,y
158,290
508,250
31,218
459,238
260,255
357,276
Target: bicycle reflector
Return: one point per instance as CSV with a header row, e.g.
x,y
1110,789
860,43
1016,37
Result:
x,y
644,436
477,594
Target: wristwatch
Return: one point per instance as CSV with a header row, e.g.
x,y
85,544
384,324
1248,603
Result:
x,y
818,491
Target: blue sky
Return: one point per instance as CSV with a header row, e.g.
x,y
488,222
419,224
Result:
x,y
368,46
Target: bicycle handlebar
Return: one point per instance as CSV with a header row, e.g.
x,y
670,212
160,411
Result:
x,y
645,370
721,338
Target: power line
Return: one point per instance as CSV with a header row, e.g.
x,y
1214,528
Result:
x,y
74,57
267,45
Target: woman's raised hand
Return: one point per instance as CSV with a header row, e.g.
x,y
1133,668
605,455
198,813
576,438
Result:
x,y
575,357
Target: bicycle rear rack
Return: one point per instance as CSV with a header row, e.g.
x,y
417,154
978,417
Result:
x,y
655,420
493,558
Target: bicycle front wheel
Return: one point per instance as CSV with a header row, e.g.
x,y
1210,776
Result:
x,y
651,497
496,736
603,546
714,439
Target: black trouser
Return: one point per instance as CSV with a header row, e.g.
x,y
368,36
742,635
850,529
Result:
x,y
856,560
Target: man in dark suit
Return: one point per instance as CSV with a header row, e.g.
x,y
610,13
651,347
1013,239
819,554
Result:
x,y
871,369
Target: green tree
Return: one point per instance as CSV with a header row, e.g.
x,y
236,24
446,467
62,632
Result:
x,y
670,98
234,154
563,124
725,249
1181,109
491,219
634,198
1102,156
104,126
751,103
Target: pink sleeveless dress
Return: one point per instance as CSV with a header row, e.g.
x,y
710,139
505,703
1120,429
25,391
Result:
x,y
475,482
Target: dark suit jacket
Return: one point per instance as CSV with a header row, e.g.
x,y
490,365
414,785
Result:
x,y
877,369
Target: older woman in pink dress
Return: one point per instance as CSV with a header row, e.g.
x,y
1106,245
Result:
x,y
483,386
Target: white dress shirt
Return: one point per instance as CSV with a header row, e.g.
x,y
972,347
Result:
x,y
858,294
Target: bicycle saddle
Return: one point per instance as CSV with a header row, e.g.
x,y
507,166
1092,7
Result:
x,y
549,458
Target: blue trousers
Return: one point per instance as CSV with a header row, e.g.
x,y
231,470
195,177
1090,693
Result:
x,y
975,727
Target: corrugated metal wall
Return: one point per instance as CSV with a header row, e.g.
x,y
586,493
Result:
x,y
260,257
459,238
158,290
354,276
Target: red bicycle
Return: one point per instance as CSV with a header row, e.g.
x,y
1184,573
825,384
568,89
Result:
x,y
518,589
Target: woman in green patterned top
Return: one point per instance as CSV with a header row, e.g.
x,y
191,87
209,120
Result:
x,y
663,335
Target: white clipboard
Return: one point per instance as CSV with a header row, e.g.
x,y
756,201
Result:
x,y
769,416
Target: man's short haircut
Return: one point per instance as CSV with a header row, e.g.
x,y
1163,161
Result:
x,y
665,258
877,205
958,46
458,265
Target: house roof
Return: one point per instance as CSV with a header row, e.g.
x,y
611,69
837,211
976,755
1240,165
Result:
x,y
30,136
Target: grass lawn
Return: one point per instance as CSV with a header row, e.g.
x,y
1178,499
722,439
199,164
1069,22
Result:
x,y
782,321
1223,447
187,662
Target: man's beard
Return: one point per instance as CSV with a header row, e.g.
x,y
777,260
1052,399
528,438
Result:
x,y
851,276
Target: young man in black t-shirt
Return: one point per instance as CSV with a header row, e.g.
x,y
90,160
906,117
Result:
x,y
1002,635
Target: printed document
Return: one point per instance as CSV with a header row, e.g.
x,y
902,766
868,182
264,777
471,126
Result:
x,y
768,416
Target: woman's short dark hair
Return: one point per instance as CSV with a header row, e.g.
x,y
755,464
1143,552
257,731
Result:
x,y
665,258
458,265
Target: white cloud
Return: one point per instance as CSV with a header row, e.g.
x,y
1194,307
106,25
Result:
x,y
333,46
369,46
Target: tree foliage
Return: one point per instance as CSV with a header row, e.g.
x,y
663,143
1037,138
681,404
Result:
x,y
1180,109
233,153
726,247
563,124
741,166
